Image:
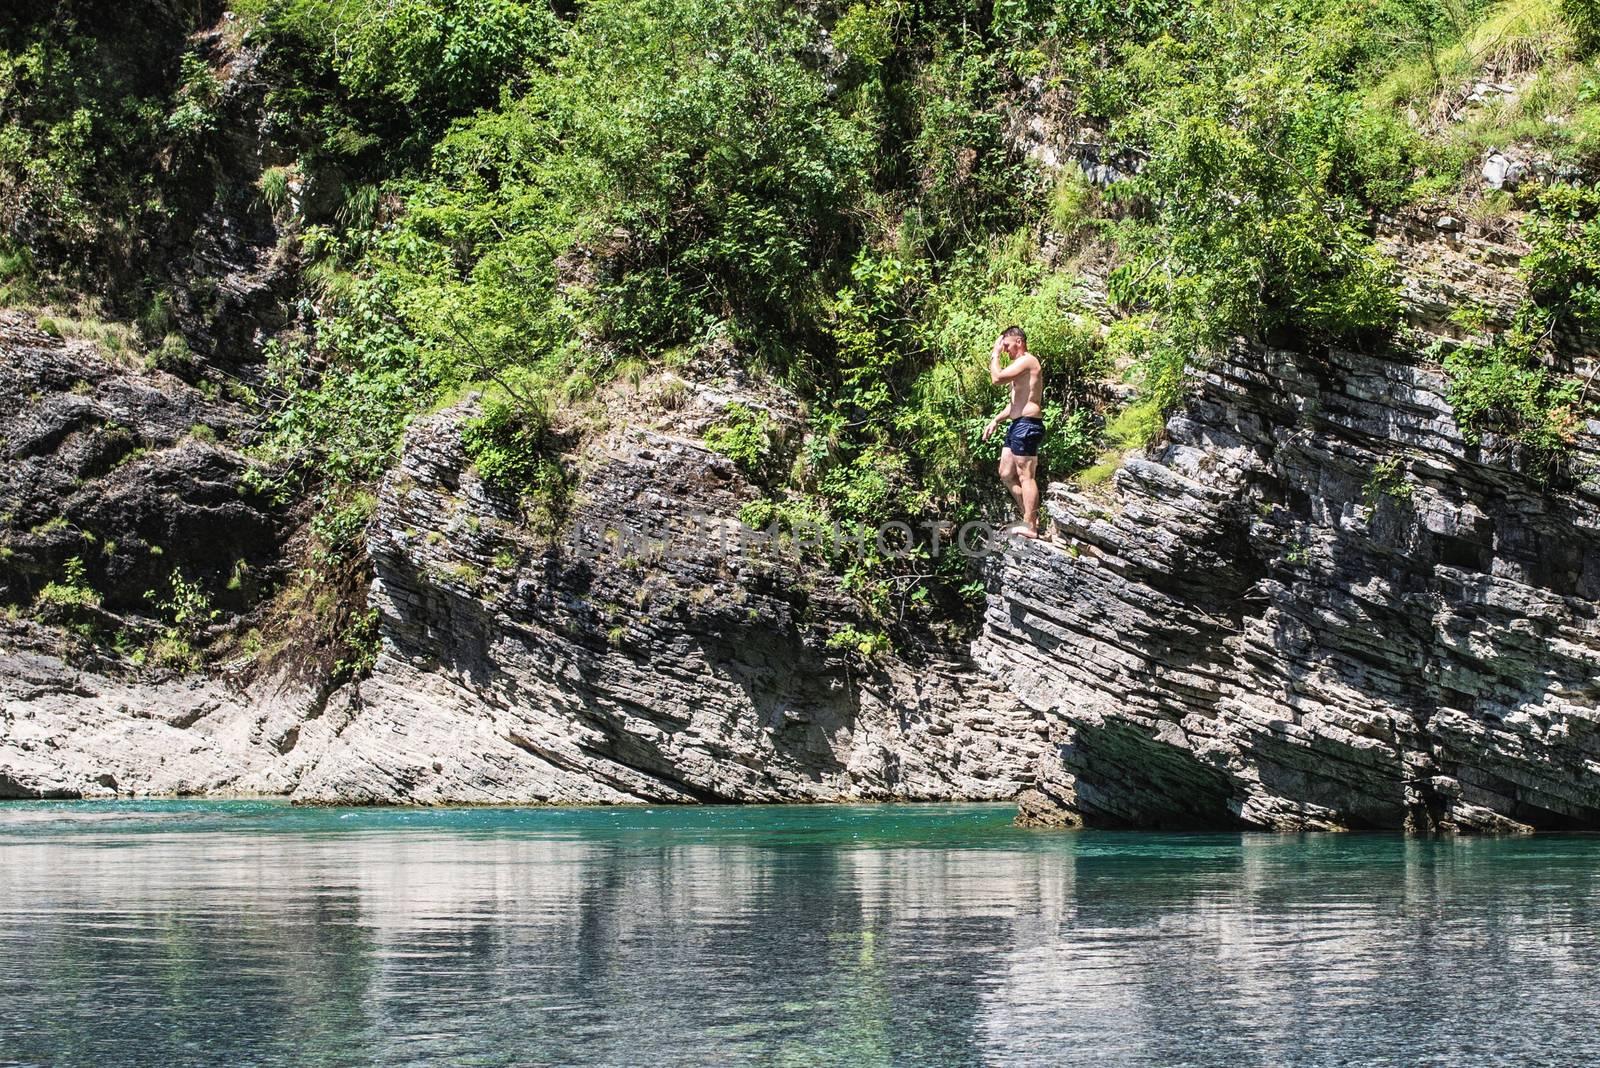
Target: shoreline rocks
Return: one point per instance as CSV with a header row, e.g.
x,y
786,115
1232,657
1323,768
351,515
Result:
x,y
1313,606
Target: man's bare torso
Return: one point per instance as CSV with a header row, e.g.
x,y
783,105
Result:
x,y
1027,391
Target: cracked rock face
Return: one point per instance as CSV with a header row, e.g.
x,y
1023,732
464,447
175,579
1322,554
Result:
x,y
587,671
127,472
1256,629
71,728
123,469
1314,605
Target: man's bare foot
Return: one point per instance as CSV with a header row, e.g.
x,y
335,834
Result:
x,y
1020,530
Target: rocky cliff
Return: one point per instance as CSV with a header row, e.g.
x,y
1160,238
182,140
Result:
x,y
1317,606
1248,632
647,654
1312,605
650,653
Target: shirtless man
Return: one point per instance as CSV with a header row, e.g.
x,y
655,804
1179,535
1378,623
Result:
x,y
1020,456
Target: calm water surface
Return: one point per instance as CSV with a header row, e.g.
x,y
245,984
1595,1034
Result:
x,y
178,933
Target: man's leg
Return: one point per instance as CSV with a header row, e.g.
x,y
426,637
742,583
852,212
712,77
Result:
x,y
1008,476
1028,491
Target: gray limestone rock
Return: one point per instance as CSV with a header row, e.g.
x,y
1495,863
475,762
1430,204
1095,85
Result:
x,y
1313,605
1502,172
1250,631
676,668
84,729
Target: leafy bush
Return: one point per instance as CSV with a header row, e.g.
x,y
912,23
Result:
x,y
867,644
340,524
866,32
1508,387
1500,389
744,436
188,612
1563,260
69,600
376,85
1072,441
514,451
1388,479
344,401
360,643
1256,181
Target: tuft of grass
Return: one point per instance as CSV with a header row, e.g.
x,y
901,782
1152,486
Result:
x,y
156,320
82,323
672,393
463,574
173,354
274,187
1513,39
632,372
1073,202
1495,213
1131,430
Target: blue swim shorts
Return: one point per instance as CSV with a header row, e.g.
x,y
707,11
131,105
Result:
x,y
1024,435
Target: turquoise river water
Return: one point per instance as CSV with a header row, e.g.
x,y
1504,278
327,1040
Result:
x,y
253,933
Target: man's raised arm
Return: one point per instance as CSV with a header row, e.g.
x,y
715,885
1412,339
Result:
x,y
995,370
998,374
1016,368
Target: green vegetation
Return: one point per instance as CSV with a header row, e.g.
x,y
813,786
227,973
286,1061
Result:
x,y
532,202
1500,389
187,610
745,437
1511,387
1388,479
865,644
512,446
360,644
69,600
340,524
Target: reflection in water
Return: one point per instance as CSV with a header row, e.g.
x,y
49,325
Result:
x,y
182,933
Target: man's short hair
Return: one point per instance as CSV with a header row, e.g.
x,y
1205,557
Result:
x,y
1016,332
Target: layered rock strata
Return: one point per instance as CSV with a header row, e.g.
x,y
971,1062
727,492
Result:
x,y
652,653
1314,604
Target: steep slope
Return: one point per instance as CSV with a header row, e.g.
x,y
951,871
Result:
x,y
654,652
249,541
1314,605
1317,606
